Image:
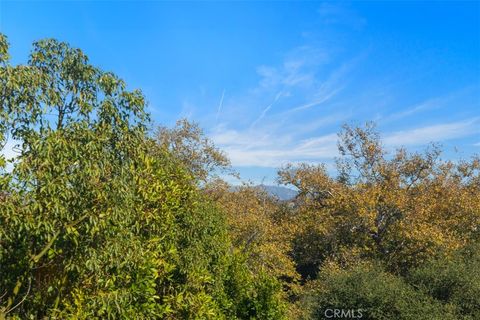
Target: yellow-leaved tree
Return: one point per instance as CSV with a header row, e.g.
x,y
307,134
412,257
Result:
x,y
401,208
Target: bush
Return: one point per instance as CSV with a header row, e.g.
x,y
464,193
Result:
x,y
454,281
371,292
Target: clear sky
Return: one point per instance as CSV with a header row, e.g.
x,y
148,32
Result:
x,y
272,82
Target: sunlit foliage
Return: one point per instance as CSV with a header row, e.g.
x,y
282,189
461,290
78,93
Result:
x,y
99,221
188,143
401,208
395,234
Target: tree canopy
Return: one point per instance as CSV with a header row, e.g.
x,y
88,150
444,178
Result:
x,y
98,220
103,218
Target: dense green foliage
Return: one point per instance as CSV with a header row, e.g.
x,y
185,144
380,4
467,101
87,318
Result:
x,y
455,281
100,219
440,289
374,292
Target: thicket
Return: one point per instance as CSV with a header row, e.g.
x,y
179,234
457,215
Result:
x,y
100,219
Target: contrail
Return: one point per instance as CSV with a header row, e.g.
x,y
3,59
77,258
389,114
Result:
x,y
220,105
264,112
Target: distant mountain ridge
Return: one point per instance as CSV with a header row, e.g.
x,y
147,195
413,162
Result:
x,y
282,193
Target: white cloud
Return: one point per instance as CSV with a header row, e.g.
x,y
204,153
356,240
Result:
x,y
273,123
275,136
251,148
298,70
324,97
426,105
434,133
307,127
325,90
431,104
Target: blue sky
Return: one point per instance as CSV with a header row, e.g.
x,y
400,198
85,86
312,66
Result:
x,y
272,82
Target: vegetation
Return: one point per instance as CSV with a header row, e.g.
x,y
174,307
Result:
x,y
99,218
100,221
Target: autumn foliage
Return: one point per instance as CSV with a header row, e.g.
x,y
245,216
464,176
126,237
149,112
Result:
x,y
102,219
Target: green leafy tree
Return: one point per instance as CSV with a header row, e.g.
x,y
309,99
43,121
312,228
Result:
x,y
99,221
188,143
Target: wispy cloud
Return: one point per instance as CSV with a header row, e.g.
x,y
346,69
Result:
x,y
298,70
330,87
426,105
429,104
434,133
295,87
307,127
323,98
250,150
339,14
292,128
274,149
188,110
